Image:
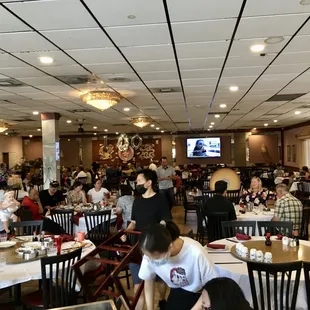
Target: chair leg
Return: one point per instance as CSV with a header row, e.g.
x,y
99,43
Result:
x,y
185,216
127,279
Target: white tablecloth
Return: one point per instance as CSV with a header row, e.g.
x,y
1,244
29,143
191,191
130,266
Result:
x,y
24,272
229,266
250,216
294,187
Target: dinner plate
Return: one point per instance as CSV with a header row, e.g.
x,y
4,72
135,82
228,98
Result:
x,y
7,244
34,245
218,250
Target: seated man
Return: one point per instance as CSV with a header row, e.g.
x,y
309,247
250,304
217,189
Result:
x,y
51,197
219,203
287,207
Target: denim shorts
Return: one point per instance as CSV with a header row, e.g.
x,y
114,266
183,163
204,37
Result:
x,y
134,270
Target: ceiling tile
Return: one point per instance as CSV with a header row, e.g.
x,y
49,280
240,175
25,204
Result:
x,y
9,23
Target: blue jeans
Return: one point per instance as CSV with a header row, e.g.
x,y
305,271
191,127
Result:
x,y
169,194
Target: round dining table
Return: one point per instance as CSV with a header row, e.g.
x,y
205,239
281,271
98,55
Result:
x,y
264,216
18,271
234,267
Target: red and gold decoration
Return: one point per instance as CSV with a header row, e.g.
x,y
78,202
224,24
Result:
x,y
122,142
127,155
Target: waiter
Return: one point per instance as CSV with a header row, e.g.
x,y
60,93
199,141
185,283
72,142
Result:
x,y
166,175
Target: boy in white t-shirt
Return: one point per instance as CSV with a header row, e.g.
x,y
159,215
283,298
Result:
x,y
97,193
182,263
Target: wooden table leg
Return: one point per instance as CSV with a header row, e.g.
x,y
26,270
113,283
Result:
x,y
17,294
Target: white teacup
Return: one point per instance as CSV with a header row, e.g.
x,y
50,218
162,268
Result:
x,y
238,248
259,256
285,240
268,257
244,251
253,253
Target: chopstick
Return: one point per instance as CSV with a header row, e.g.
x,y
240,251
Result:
x,y
231,240
226,263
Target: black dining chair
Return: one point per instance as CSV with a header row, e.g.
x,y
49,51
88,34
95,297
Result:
x,y
233,196
305,222
231,228
58,283
189,207
208,193
275,227
276,284
202,224
306,266
215,220
26,228
64,218
98,225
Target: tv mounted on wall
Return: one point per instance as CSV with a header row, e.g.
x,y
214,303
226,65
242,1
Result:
x,y
203,147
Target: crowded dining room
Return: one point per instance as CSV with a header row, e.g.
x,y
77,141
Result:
x,y
155,154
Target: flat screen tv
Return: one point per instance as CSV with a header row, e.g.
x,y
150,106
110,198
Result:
x,y
203,147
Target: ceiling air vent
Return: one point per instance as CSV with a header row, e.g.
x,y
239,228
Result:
x,y
119,125
79,111
285,97
22,120
180,123
119,79
166,90
10,83
77,79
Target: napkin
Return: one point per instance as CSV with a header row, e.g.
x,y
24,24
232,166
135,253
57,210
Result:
x,y
216,246
77,217
243,237
279,236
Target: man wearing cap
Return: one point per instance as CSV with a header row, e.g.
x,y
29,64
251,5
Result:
x,y
51,197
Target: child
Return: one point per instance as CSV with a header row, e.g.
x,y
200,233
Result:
x,y
9,206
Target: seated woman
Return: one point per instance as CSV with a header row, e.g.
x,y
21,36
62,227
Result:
x,y
32,203
305,172
223,294
98,193
181,262
124,204
256,193
77,195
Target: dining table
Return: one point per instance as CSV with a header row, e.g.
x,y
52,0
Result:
x,y
18,270
229,264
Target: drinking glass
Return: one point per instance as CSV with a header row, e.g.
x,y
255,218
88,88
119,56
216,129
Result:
x,y
2,263
52,251
256,210
3,237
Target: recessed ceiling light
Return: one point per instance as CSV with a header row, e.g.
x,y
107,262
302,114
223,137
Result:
x,y
95,133
106,130
265,124
39,129
275,120
257,48
35,113
223,105
6,133
162,131
46,60
274,40
30,136
157,128
116,133
69,139
95,127
126,109
198,106
152,125
69,121
304,2
131,16
216,115
210,126
254,128
297,112
233,88
212,123
209,129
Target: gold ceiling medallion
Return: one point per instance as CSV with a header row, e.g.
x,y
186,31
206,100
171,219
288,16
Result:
x,y
101,99
3,127
141,121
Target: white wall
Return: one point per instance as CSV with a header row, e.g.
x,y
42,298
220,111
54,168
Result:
x,y
13,146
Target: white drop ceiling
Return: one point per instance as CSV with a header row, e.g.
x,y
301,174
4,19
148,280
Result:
x,y
199,48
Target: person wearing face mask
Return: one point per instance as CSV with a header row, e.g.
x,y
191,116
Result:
x,y
150,208
181,262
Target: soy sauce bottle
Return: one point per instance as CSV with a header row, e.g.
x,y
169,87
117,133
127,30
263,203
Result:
x,y
295,238
268,241
34,238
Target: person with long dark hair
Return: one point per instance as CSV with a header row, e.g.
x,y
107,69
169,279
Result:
x,y
223,294
181,262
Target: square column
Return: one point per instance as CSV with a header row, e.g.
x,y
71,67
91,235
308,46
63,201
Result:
x,y
50,144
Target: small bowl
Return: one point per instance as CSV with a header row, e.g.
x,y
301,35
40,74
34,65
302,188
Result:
x,y
29,254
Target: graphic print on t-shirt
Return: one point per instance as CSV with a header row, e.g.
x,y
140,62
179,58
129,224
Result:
x,y
178,277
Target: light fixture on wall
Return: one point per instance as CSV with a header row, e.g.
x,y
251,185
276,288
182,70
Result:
x,y
3,127
101,99
141,121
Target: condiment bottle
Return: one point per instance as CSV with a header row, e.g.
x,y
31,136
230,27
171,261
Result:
x,y
34,238
268,241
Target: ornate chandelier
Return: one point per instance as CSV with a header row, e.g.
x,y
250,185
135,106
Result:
x,y
3,127
141,121
101,99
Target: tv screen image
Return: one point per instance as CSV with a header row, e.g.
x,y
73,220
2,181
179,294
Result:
x,y
203,147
